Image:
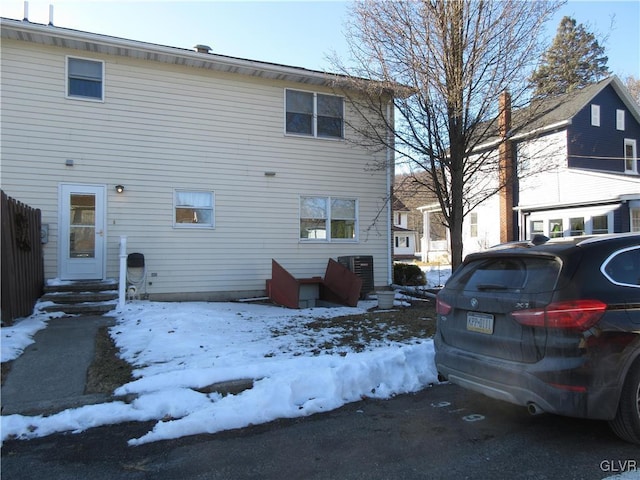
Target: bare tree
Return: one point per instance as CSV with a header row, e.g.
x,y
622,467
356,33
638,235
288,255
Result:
x,y
442,66
633,85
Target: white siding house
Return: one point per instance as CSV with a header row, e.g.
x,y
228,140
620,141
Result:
x,y
404,238
226,163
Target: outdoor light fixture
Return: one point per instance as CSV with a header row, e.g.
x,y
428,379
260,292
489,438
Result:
x,y
119,188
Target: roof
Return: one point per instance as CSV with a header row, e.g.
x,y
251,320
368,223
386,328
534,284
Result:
x,y
558,111
97,43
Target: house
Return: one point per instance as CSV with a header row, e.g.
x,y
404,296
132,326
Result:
x,y
404,238
210,166
575,164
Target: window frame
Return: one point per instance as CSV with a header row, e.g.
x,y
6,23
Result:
x,y
86,98
199,226
634,219
473,224
328,218
620,119
631,142
314,116
595,115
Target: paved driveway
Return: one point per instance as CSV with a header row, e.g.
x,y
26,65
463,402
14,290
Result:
x,y
443,432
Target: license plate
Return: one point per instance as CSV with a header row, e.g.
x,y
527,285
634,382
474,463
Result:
x,y
480,322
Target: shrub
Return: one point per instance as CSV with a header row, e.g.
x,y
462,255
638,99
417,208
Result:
x,y
408,274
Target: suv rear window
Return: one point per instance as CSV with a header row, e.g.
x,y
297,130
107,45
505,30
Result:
x,y
516,274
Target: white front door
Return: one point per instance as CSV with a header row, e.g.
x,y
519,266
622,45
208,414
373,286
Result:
x,y
82,232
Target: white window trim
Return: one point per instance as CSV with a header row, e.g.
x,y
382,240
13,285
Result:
x,y
66,80
197,226
329,239
595,115
586,213
620,116
314,125
632,142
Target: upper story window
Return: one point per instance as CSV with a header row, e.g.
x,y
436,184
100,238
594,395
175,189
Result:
x,y
193,209
630,156
85,78
328,218
314,114
620,120
473,224
595,115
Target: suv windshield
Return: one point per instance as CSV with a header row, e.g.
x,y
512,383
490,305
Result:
x,y
516,274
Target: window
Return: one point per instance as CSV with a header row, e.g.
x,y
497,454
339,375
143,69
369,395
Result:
x,y
402,242
595,115
576,226
630,160
600,224
623,267
555,228
537,227
524,275
314,114
193,209
473,227
635,219
620,120
327,218
85,78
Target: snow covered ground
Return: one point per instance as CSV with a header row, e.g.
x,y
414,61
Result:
x,y
179,348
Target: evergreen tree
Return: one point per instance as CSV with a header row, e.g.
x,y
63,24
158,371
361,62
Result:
x,y
574,59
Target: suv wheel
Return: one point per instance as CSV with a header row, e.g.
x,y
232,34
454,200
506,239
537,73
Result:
x,y
627,422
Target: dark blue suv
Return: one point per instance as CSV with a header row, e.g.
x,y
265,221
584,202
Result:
x,y
550,325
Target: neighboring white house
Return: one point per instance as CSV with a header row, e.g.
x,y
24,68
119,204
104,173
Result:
x,y
404,239
210,165
577,169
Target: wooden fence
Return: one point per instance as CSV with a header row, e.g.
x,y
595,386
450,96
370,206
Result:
x,y
22,261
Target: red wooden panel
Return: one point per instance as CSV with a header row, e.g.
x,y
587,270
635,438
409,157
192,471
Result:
x,y
283,288
341,285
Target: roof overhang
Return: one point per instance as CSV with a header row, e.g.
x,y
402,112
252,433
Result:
x,y
103,44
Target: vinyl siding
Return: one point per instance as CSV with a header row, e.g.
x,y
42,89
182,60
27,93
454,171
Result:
x,y
163,127
601,147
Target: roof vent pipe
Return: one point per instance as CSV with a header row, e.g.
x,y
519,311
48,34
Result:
x,y
202,48
26,12
51,15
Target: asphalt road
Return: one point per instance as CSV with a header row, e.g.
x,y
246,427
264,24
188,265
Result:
x,y
443,432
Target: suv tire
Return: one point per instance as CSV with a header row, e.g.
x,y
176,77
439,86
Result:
x,y
627,422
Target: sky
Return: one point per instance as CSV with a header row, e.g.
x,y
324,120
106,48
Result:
x,y
301,33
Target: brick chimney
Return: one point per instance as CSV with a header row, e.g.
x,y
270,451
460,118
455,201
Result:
x,y
506,169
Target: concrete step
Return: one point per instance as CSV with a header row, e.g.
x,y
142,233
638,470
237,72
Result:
x,y
80,286
88,308
81,297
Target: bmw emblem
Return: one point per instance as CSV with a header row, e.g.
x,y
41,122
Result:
x,y
474,303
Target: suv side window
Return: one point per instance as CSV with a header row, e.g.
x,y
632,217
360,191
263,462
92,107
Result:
x,y
623,267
